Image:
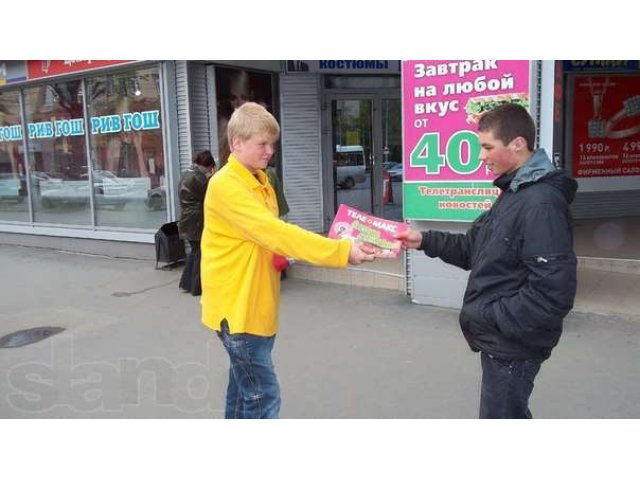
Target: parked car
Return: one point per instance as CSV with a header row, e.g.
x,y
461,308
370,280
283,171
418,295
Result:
x,y
107,187
40,179
46,177
386,166
12,187
350,165
395,172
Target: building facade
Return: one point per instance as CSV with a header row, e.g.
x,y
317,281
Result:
x,y
91,151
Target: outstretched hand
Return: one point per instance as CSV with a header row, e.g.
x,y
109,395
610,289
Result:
x,y
409,239
362,253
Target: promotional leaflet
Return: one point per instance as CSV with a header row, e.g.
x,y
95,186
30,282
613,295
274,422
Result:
x,y
356,225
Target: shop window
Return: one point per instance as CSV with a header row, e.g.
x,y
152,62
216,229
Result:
x,y
126,148
13,188
57,153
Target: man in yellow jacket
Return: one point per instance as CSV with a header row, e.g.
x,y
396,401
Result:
x,y
242,241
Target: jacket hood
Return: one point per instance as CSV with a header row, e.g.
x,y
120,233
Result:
x,y
540,168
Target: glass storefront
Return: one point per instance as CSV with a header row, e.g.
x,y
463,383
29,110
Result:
x,y
104,170
58,162
128,164
13,190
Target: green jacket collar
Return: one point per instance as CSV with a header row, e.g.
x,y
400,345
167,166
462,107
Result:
x,y
257,181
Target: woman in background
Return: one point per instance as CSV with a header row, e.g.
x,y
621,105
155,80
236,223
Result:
x,y
193,187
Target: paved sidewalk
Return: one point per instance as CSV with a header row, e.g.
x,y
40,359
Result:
x,y
135,348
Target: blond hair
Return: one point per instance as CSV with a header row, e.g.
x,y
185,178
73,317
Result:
x,y
251,119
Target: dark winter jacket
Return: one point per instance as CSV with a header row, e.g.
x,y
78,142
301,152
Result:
x,y
193,187
523,269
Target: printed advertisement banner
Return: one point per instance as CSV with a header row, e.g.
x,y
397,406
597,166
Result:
x,y
606,126
343,66
51,68
442,103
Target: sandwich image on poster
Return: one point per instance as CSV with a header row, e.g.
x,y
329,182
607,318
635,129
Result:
x,y
478,106
353,224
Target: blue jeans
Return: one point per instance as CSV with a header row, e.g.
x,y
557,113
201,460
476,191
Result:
x,y
506,387
253,390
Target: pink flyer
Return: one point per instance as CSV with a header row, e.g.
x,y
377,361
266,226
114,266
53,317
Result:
x,y
353,224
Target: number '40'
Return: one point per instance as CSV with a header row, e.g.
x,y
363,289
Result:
x,y
427,153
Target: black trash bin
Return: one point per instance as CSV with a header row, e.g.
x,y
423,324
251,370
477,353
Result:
x,y
169,245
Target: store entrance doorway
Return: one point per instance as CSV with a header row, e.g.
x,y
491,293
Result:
x,y
363,151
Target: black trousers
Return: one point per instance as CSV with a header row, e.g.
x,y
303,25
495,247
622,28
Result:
x,y
506,387
190,279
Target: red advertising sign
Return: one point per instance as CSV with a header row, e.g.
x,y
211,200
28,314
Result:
x,y
606,126
51,68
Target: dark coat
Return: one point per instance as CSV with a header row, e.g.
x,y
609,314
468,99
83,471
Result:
x,y
523,269
193,187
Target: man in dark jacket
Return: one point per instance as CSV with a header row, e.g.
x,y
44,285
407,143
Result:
x,y
192,190
520,253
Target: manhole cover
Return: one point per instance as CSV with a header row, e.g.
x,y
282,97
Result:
x,y
26,337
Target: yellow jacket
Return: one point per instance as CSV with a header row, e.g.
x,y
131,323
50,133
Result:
x,y
241,233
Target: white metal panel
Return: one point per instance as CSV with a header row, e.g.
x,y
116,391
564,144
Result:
x,y
432,281
535,95
301,152
170,121
547,79
213,111
184,124
199,108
